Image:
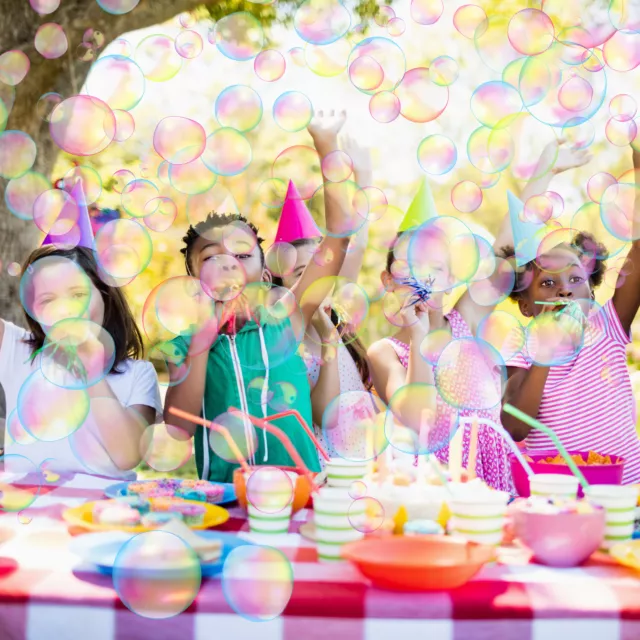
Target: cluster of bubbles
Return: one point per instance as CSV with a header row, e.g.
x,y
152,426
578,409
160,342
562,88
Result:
x,y
550,79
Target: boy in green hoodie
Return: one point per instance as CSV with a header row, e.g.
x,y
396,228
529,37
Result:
x,y
238,359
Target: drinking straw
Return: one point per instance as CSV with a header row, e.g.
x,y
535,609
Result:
x,y
552,302
281,435
455,456
305,426
536,424
512,444
179,413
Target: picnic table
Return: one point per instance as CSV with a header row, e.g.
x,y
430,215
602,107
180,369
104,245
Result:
x,y
46,593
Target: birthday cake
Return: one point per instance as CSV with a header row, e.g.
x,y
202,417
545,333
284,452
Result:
x,y
186,489
131,511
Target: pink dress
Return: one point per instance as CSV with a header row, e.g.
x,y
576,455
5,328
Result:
x,y
492,463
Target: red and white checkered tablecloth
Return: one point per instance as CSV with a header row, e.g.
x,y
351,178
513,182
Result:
x,y
46,594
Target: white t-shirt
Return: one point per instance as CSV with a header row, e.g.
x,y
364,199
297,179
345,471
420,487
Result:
x,y
83,450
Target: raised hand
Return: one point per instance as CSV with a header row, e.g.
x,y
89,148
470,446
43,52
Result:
x,y
325,126
568,157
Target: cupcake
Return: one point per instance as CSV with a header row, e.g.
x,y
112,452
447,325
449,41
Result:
x,y
160,492
193,514
189,482
163,503
156,518
187,493
213,492
99,507
119,515
138,488
136,502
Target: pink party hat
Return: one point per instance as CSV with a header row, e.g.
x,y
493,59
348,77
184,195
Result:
x,y
80,234
296,222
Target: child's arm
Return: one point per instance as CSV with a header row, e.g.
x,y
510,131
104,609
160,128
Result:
x,y
387,372
331,251
188,394
565,159
328,385
363,174
524,391
626,298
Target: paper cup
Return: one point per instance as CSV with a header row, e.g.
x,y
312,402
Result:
x,y
554,485
479,516
333,514
619,503
341,472
274,523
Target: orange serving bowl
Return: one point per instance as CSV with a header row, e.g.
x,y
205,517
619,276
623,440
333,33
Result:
x,y
418,563
302,489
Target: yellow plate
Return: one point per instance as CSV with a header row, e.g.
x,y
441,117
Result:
x,y
82,516
627,553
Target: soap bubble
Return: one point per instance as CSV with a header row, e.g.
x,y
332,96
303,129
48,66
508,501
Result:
x,y
426,11
157,575
381,53
188,44
620,132
239,107
444,71
328,60
43,7
125,125
272,193
269,65
300,164
191,178
14,66
156,55
123,248
17,154
495,104
292,111
598,184
21,193
19,483
116,80
227,152
421,100
321,22
136,196
46,104
117,7
396,27
623,107
239,36
468,18
531,31
384,106
503,331
337,166
622,51
51,41
165,447
270,490
466,196
366,514
437,154
179,140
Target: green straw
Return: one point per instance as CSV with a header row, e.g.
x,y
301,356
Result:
x,y
554,302
535,424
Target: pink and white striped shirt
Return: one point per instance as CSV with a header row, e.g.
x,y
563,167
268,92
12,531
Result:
x,y
589,400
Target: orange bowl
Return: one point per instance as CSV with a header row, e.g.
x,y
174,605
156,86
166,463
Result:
x,y
302,489
418,563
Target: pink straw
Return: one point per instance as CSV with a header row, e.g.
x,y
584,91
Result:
x,y
179,413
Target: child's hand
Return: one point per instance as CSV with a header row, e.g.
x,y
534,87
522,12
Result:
x,y
324,129
567,157
416,318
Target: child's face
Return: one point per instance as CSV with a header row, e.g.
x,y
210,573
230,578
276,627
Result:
x,y
304,255
559,275
246,251
61,290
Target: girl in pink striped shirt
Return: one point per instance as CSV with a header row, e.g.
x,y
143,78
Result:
x,y
572,374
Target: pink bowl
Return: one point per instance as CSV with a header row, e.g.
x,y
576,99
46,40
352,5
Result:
x,y
561,540
594,473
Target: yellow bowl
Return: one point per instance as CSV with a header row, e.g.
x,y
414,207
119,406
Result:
x,y
82,516
627,553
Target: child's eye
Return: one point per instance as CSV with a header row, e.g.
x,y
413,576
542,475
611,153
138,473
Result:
x,y
576,279
80,294
243,256
547,283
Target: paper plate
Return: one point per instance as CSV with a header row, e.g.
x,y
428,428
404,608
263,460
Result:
x,y
101,549
82,516
120,489
627,553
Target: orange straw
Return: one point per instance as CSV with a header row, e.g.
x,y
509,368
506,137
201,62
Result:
x,y
179,413
305,426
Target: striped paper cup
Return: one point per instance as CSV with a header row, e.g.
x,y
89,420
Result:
x,y
554,485
341,472
274,523
333,513
480,517
619,502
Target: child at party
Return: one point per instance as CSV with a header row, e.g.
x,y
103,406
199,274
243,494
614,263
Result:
x,y
78,395
572,374
240,365
335,357
397,363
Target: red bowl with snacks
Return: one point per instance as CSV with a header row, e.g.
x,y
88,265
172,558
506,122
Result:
x,y
608,471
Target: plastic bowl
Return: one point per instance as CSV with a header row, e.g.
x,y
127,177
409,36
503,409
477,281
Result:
x,y
594,473
560,540
302,490
418,563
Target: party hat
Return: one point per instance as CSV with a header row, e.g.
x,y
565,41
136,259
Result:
x,y
80,234
422,208
527,236
296,222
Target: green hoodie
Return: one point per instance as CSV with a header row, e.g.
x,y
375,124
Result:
x,y
236,373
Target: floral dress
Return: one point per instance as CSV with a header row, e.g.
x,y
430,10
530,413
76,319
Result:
x,y
492,463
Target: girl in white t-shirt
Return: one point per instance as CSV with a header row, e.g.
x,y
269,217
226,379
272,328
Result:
x,y
77,394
